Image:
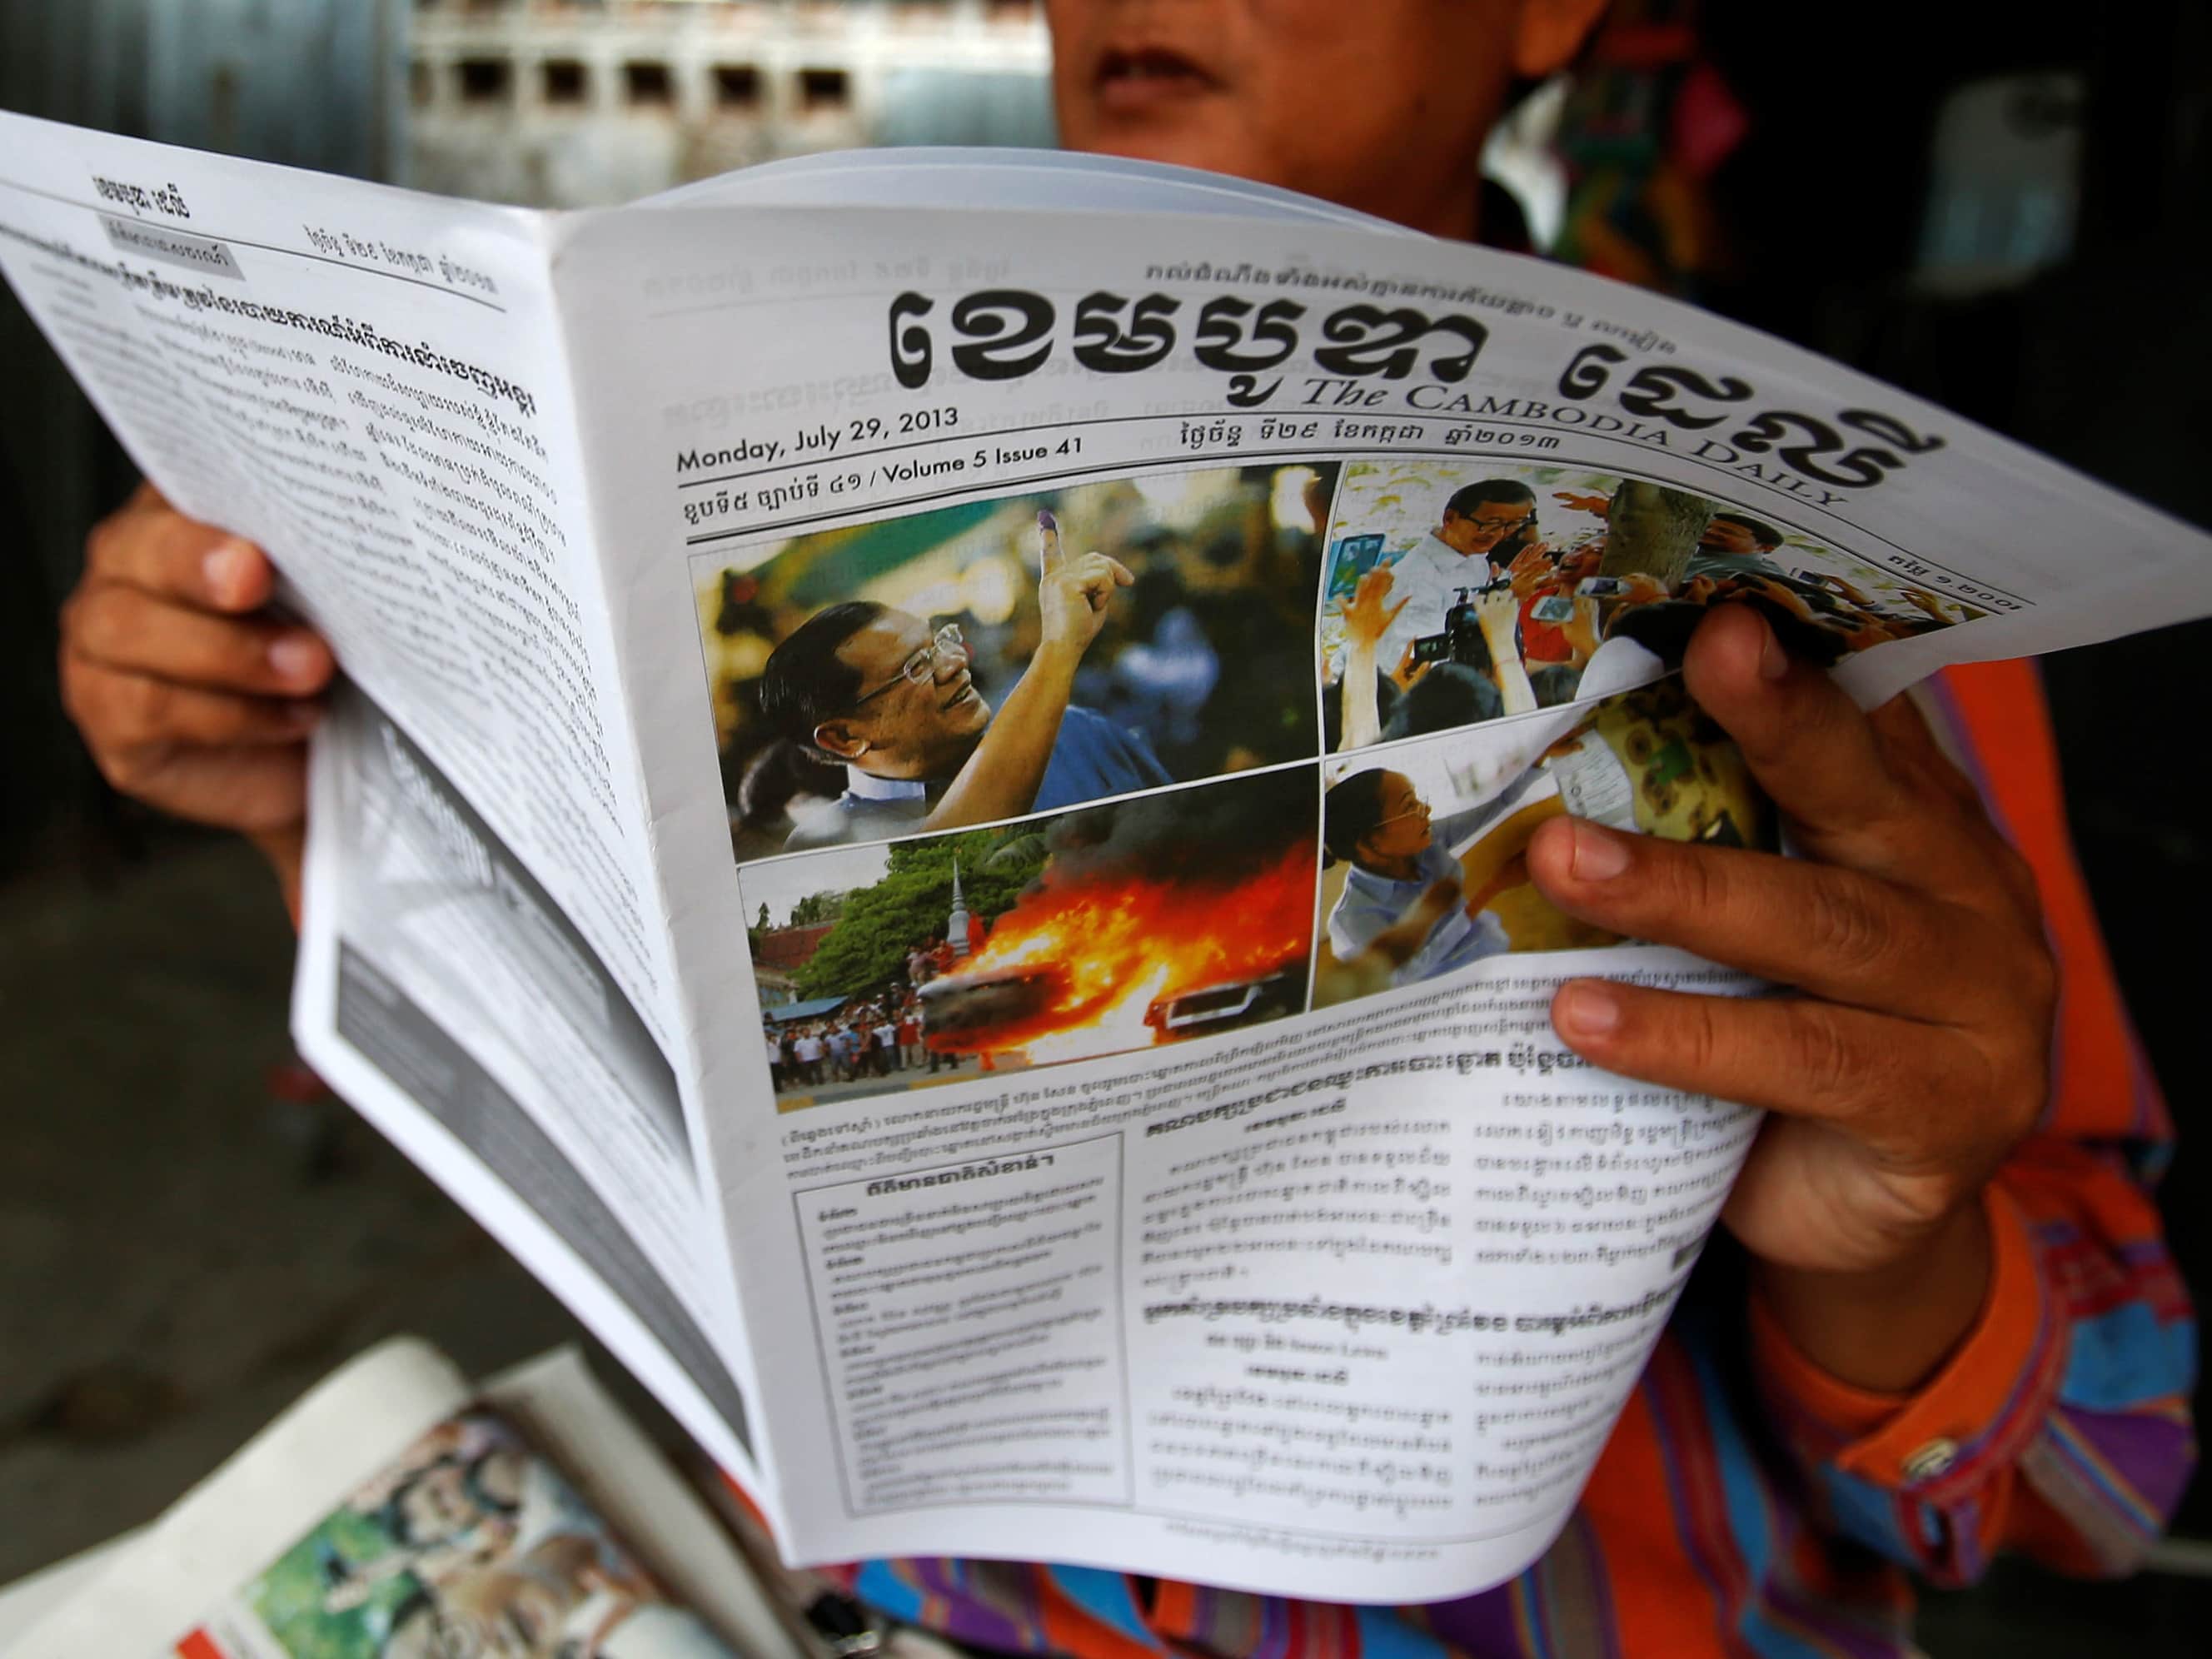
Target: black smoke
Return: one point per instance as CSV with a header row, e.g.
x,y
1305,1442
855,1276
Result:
x,y
1214,834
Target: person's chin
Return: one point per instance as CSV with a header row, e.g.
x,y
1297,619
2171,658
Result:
x,y
972,713
964,716
1193,129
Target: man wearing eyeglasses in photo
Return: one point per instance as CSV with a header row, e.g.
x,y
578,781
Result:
x,y
1485,527
873,688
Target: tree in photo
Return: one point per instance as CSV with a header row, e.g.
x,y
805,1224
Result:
x,y
876,927
1653,531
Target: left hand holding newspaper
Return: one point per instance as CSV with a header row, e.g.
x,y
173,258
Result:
x,y
1084,1087
190,696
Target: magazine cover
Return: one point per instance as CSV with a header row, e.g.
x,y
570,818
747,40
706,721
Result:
x,y
470,1545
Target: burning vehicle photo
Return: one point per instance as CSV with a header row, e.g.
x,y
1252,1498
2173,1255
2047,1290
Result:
x,y
984,1001
1168,917
1227,1006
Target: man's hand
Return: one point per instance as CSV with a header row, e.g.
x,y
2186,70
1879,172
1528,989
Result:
x,y
1400,943
1497,614
1072,596
1910,1058
1368,613
1532,566
1408,674
1000,778
191,696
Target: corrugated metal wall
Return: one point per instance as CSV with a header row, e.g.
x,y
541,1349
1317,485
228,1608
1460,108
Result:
x,y
215,74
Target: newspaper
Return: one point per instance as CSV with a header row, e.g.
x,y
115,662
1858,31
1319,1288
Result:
x,y
394,1511
927,819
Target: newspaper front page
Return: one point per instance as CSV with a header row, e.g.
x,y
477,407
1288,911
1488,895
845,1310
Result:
x,y
1024,1015
1181,1173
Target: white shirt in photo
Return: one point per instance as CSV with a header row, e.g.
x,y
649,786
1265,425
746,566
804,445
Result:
x,y
1428,576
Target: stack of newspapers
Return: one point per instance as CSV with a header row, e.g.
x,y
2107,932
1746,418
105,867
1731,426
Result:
x,y
927,814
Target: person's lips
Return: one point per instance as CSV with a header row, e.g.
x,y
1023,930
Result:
x,y
1132,80
964,689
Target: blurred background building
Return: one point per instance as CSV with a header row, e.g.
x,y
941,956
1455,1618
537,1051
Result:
x,y
577,103
2005,212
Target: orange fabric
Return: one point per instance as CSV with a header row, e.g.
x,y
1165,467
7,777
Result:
x,y
1967,1393
2002,704
1648,1568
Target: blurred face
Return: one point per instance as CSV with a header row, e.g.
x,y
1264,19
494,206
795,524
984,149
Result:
x,y
1381,105
438,1506
1723,536
920,727
1402,830
1485,529
500,1473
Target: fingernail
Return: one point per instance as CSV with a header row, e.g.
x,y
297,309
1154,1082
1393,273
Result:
x,y
1585,1010
1599,855
1773,660
295,657
228,568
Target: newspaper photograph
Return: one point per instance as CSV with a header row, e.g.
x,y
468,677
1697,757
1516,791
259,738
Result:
x,y
1423,553
1176,914
857,674
1425,843
469,1542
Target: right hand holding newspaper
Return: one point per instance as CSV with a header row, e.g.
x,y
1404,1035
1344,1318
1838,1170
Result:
x,y
930,817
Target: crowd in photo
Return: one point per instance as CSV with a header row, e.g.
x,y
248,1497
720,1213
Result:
x,y
875,1039
869,1038
1516,595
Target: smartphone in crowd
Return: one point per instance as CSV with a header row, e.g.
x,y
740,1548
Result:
x,y
1555,608
1355,557
1432,647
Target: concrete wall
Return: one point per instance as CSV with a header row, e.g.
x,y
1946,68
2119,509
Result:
x,y
572,104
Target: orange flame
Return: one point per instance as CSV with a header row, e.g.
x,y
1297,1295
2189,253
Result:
x,y
1116,947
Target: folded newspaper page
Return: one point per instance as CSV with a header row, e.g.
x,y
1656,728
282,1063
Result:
x,y
394,1511
928,818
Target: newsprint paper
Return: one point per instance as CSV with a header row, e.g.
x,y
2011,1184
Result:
x,y
394,1511
927,817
